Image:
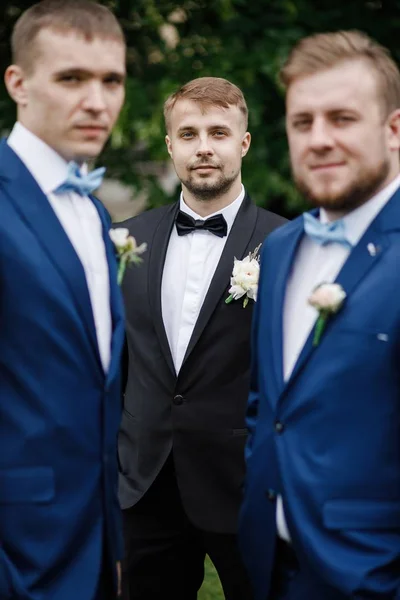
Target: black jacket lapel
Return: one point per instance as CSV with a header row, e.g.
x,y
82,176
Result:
x,y
158,250
235,247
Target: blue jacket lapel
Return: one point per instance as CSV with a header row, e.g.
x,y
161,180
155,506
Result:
x,y
38,215
359,263
116,303
289,244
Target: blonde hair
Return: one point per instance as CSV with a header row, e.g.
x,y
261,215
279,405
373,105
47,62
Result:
x,y
325,50
208,91
83,17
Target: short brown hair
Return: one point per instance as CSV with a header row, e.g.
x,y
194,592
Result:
x,y
84,17
325,50
208,91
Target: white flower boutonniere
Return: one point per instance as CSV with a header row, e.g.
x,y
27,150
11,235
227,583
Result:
x,y
244,280
328,299
127,249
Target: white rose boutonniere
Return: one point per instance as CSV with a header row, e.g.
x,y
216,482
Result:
x,y
244,280
328,299
127,250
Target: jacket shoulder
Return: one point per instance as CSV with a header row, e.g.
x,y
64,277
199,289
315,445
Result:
x,y
148,219
283,233
268,221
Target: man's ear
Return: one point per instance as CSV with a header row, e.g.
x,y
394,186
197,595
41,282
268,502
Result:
x,y
246,141
15,81
169,145
394,130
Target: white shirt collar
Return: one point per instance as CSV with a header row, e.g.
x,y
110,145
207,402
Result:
x,y
357,221
47,167
229,212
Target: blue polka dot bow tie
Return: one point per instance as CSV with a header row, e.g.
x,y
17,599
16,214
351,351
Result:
x,y
81,184
326,233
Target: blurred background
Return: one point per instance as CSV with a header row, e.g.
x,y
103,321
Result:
x,y
170,43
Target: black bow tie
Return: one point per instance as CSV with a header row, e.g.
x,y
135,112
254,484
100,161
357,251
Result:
x,y
186,224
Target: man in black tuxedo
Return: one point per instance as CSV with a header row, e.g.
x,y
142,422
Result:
x,y
183,429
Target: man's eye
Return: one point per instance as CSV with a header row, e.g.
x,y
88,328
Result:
x,y
220,133
113,81
187,135
69,79
302,124
344,119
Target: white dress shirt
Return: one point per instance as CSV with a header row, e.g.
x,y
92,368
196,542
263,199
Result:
x,y
315,264
189,267
80,221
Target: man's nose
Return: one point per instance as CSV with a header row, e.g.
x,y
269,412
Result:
x,y
204,146
95,99
320,135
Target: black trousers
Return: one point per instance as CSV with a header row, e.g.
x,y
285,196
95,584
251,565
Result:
x,y
164,552
106,587
286,568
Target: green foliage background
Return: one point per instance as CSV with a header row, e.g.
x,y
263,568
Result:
x,y
242,40
245,41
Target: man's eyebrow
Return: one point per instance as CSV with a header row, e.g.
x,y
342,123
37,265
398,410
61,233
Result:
x,y
210,128
120,75
216,126
186,128
330,111
300,114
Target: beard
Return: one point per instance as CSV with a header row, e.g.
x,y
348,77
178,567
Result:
x,y
204,190
358,191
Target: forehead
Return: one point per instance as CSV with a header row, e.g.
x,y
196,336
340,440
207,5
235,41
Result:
x,y
188,113
349,85
60,51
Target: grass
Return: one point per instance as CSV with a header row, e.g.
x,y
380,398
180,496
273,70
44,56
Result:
x,y
211,588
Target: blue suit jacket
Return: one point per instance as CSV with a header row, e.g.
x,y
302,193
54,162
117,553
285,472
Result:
x,y
59,413
336,461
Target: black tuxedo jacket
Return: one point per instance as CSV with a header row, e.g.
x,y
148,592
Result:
x,y
199,414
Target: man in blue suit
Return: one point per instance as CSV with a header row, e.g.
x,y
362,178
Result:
x,y
321,513
61,316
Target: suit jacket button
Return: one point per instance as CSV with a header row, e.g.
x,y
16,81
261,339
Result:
x,y
271,495
178,400
279,427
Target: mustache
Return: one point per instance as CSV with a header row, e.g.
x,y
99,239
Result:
x,y
91,124
204,163
327,163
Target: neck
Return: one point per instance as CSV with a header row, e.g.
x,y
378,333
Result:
x,y
335,215
211,205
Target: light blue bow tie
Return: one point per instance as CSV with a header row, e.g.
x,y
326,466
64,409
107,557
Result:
x,y
81,184
326,233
